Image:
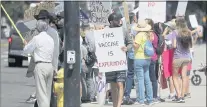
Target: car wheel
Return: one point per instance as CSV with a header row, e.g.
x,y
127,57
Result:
x,y
11,64
19,62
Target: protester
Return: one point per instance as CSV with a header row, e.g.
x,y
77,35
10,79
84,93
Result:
x,y
89,43
167,57
198,34
84,68
42,46
116,78
130,62
182,42
152,66
141,66
158,30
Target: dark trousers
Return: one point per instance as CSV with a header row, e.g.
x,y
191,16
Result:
x,y
153,77
130,78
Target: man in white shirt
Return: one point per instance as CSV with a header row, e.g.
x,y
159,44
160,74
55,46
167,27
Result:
x,y
42,48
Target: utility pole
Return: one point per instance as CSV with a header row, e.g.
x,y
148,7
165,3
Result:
x,y
71,54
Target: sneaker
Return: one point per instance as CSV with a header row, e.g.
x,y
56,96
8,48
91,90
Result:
x,y
160,99
150,104
156,100
31,99
171,97
128,101
137,103
187,95
175,98
179,100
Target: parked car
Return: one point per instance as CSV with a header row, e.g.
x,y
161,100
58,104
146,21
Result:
x,y
15,47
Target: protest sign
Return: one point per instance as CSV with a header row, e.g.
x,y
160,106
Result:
x,y
153,10
29,14
99,12
193,21
181,8
59,8
108,49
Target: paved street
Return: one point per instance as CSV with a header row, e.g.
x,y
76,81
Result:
x,y
16,88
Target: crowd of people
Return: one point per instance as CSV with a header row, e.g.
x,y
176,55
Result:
x,y
172,44
156,53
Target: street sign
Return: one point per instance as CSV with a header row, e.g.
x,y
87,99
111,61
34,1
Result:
x,y
71,57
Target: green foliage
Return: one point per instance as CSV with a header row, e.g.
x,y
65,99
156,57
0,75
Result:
x,y
15,9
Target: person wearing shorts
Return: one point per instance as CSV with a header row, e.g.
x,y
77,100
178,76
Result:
x,y
117,78
182,42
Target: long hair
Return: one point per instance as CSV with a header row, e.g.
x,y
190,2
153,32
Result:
x,y
151,23
184,34
157,29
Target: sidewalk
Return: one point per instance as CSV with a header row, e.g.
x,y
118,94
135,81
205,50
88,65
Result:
x,y
198,93
198,99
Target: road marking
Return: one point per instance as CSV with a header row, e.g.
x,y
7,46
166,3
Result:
x,y
4,44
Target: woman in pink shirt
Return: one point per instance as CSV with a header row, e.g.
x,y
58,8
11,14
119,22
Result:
x,y
154,58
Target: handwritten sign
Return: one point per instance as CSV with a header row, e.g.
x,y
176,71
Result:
x,y
99,12
181,8
193,21
59,8
153,10
29,14
109,54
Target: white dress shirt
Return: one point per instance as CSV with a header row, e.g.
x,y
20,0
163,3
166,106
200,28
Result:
x,y
42,47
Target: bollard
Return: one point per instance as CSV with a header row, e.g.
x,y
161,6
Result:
x,y
59,86
101,96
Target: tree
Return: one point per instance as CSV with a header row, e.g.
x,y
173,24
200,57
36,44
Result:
x,y
15,9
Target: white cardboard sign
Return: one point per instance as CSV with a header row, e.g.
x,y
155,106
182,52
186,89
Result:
x,y
108,49
153,10
99,12
193,21
182,5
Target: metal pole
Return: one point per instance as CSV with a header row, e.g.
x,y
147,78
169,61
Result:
x,y
72,46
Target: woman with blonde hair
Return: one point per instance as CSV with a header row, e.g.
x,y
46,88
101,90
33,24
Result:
x,y
141,66
181,42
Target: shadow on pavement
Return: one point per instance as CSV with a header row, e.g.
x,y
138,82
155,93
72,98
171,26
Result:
x,y
16,67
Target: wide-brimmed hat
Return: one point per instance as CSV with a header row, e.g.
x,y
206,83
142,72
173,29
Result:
x,y
171,24
43,14
142,26
142,23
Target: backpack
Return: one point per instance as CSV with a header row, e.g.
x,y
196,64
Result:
x,y
148,48
160,44
91,58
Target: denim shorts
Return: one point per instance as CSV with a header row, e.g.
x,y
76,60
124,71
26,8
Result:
x,y
115,76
